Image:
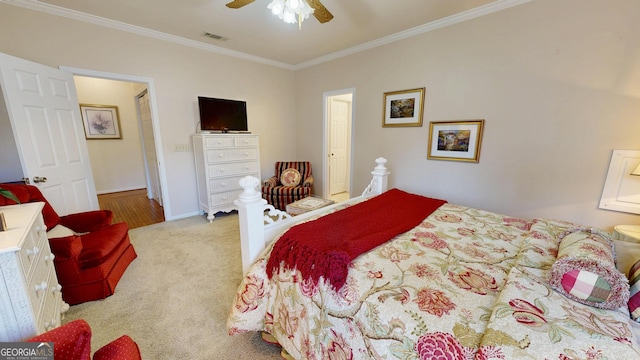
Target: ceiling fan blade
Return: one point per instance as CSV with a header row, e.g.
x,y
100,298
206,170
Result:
x,y
236,4
319,11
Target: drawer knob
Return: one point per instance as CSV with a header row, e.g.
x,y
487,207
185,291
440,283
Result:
x,y
41,287
56,289
220,156
246,154
50,325
223,185
33,252
49,258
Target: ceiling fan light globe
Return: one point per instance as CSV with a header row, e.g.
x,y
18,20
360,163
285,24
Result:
x,y
276,6
305,10
291,11
289,16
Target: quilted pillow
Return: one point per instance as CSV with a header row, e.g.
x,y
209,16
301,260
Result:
x,y
585,270
290,177
634,298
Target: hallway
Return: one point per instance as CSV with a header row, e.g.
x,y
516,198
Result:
x,y
132,207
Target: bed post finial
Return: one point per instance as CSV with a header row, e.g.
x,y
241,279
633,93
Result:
x,y
380,161
250,214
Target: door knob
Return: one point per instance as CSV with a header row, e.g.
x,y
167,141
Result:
x,y
38,179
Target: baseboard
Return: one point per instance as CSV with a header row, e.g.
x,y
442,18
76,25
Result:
x,y
102,192
182,216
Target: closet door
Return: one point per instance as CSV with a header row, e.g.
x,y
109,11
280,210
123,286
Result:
x,y
149,146
45,119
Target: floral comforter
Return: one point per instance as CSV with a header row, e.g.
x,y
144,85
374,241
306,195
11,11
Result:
x,y
464,284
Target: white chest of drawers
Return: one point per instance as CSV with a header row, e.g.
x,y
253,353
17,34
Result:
x,y
221,161
30,297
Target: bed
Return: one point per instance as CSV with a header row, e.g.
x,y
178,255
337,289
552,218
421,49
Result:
x,y
460,283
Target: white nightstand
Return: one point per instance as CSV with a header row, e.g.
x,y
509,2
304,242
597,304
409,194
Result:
x,y
626,239
628,233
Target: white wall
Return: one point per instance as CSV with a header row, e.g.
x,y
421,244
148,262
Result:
x,y
117,164
180,75
557,82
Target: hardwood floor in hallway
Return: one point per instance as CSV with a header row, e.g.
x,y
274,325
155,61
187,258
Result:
x,y
132,207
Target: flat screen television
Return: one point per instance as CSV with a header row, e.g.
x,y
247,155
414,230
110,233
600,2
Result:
x,y
222,115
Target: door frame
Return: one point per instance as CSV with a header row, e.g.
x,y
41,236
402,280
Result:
x,y
326,136
149,83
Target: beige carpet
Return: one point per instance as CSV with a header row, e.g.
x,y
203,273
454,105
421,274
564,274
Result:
x,y
173,300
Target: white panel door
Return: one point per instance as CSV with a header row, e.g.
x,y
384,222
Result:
x,y
338,143
46,123
149,144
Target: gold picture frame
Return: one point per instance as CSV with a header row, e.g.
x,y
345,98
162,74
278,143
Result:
x,y
455,140
403,108
100,121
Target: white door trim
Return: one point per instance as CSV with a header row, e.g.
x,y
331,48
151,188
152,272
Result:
x,y
155,121
325,137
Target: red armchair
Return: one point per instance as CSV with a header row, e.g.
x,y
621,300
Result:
x,y
91,253
292,181
72,341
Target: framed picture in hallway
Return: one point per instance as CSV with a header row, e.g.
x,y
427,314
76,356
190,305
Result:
x,y
403,108
101,121
455,140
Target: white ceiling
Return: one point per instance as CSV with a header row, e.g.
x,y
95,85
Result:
x,y
253,32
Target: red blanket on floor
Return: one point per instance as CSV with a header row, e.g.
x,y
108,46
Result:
x,y
325,247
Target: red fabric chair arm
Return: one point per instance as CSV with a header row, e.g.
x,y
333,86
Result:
x,y
123,348
66,247
87,221
72,341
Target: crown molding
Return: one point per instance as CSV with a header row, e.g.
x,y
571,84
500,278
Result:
x,y
421,29
100,21
495,6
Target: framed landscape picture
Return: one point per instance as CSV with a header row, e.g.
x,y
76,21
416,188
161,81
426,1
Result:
x,y
403,108
101,121
455,140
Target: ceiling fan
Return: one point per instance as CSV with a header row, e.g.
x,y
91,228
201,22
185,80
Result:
x,y
319,11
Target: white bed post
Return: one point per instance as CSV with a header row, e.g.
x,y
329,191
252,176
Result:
x,y
380,179
251,215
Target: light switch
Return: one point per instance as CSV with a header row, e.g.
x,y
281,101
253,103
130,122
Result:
x,y
182,148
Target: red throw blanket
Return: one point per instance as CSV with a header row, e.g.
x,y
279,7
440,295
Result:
x,y
325,247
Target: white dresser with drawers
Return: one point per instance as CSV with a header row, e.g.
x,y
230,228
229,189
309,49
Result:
x,y
30,297
221,161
